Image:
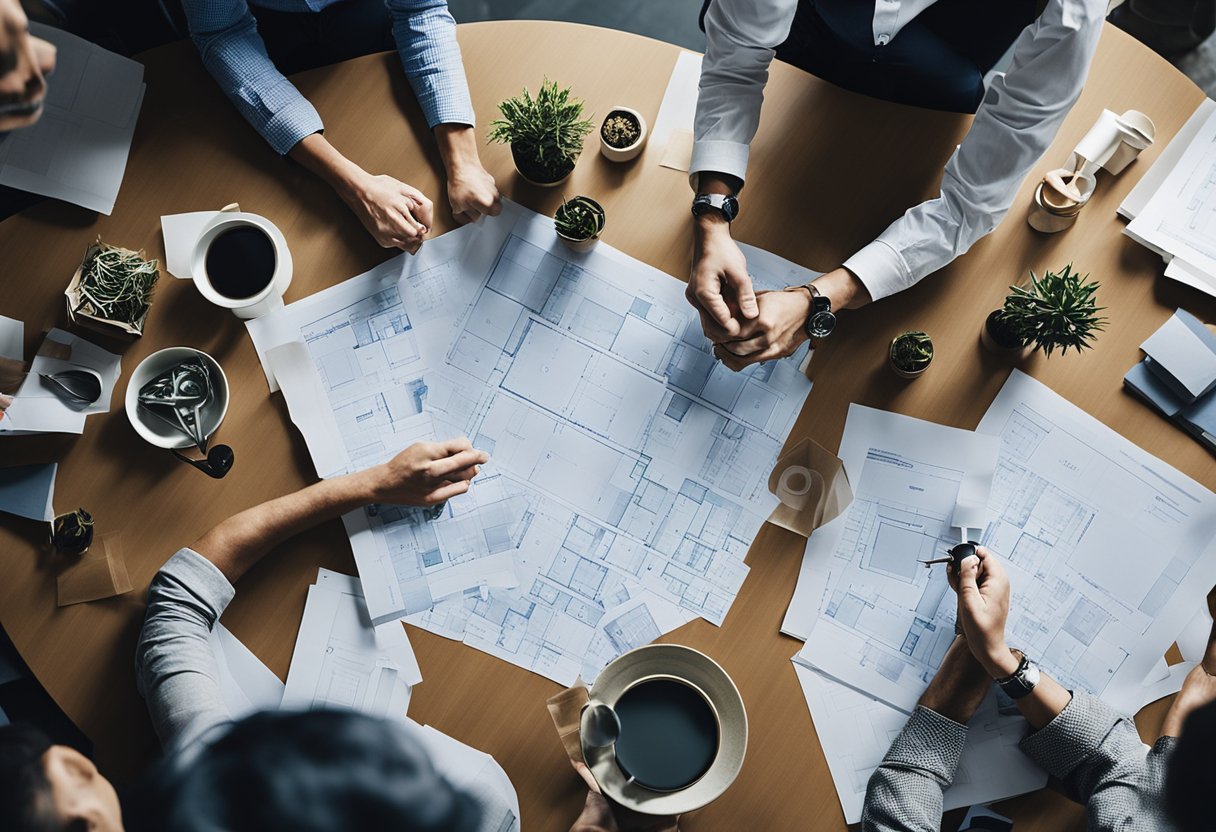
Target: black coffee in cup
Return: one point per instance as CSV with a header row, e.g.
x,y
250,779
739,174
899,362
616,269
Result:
x,y
669,734
240,261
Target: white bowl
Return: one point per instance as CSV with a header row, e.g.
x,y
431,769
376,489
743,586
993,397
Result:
x,y
152,429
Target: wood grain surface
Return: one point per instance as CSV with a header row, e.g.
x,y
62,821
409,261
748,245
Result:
x,y
828,171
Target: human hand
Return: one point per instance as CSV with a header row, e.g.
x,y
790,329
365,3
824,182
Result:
x,y
1198,689
983,607
426,473
719,286
601,814
776,331
397,215
472,193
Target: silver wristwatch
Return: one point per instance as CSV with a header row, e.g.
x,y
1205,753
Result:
x,y
1021,681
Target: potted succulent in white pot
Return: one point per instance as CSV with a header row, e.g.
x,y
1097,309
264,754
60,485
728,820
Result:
x,y
1055,311
545,132
910,354
579,222
622,134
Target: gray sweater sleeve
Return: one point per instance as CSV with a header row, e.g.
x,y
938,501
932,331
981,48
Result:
x,y
175,667
905,791
1099,759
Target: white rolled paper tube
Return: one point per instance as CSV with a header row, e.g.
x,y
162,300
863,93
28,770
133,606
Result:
x,y
794,486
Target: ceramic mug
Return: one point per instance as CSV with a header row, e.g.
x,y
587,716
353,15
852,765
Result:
x,y
266,299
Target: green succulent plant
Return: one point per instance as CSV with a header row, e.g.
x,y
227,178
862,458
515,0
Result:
x,y
580,218
912,351
547,128
1057,310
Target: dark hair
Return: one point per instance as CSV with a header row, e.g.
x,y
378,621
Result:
x,y
1192,771
25,793
313,771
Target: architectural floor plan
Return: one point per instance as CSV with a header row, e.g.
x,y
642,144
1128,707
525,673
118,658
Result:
x,y
628,466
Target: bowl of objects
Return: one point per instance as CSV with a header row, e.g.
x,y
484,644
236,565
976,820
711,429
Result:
x,y
159,430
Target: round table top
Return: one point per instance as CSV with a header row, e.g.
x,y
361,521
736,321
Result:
x,y
828,171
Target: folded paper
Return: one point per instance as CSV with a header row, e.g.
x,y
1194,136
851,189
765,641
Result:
x,y
811,483
101,572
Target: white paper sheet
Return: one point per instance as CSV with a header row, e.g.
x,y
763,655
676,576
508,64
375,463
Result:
x,y
180,233
12,338
855,731
1177,348
1193,640
1167,685
884,621
474,771
78,150
29,491
248,685
1151,180
1186,274
1180,218
36,408
673,126
341,660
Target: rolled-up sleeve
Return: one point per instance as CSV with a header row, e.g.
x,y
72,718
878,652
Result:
x,y
740,36
905,791
175,668
1021,113
1096,754
227,38
425,33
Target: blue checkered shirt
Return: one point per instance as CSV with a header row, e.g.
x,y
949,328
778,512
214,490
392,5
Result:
x,y
225,33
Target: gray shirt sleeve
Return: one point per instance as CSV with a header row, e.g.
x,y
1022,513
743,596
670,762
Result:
x,y
1098,757
175,668
905,791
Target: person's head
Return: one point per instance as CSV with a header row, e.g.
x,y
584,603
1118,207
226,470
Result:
x,y
25,61
52,788
1192,771
315,771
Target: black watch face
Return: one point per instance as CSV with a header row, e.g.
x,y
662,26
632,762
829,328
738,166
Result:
x,y
821,324
730,208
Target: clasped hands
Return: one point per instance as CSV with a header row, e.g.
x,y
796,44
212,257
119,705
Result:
x,y
748,327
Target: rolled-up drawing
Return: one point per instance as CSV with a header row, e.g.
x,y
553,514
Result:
x,y
812,486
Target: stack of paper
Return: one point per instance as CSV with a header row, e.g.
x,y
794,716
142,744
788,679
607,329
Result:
x,y
1173,208
78,150
342,661
38,408
1075,512
1178,375
629,469
29,491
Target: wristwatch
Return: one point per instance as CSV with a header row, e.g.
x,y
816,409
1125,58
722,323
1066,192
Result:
x,y
821,320
726,205
1022,680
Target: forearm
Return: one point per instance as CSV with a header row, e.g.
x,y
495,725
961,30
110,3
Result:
x,y
317,155
240,541
960,685
458,148
1044,703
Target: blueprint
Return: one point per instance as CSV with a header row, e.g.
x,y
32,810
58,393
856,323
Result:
x,y
884,621
626,463
855,731
1109,553
341,660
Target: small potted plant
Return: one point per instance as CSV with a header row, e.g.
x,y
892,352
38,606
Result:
x,y
623,134
112,290
910,354
72,533
579,222
1056,311
545,132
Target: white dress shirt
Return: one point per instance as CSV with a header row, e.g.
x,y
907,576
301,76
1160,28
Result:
x,y
1020,115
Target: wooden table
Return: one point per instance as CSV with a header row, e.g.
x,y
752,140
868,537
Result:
x,y
829,170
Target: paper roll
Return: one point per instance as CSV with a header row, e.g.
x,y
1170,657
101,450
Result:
x,y
794,486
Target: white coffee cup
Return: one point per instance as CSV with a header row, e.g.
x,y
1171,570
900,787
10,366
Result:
x,y
270,297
